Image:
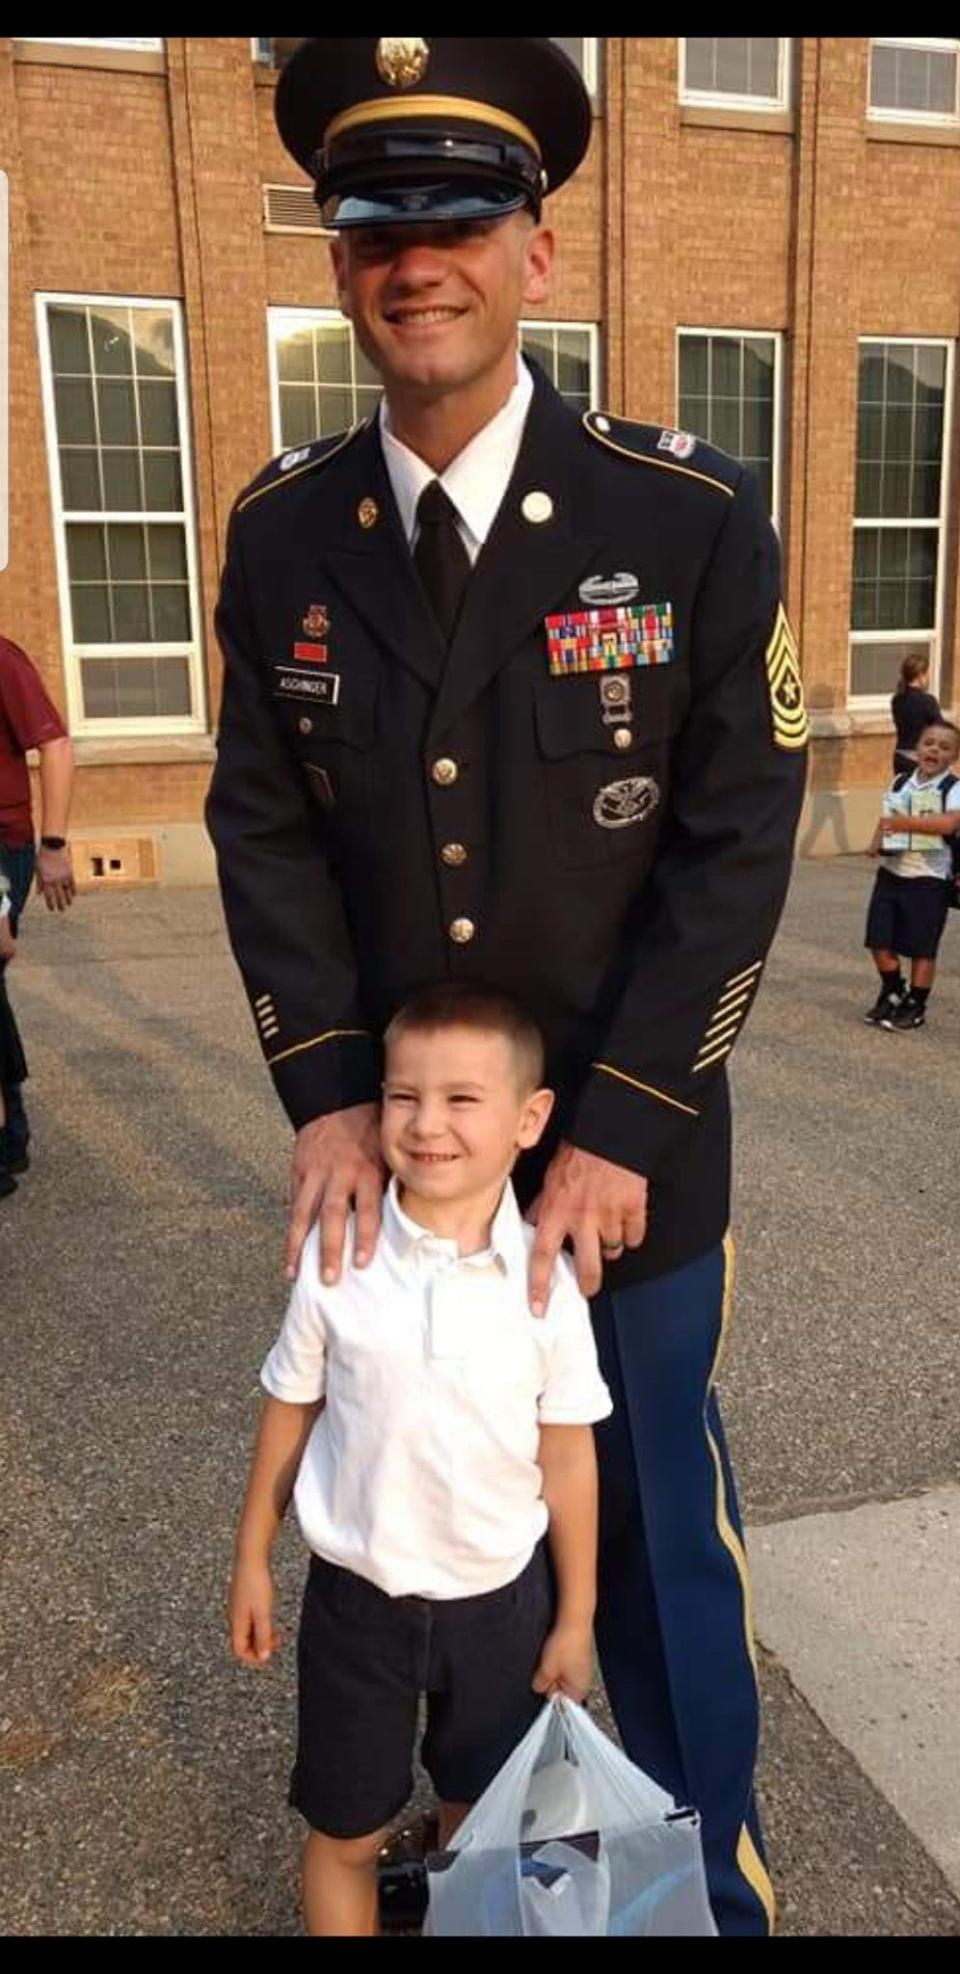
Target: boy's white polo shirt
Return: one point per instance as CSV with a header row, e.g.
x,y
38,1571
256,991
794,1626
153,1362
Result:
x,y
421,1472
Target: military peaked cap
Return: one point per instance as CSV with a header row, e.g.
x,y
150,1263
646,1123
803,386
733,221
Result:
x,y
458,127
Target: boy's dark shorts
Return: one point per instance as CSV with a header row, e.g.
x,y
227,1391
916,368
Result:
x,y
364,1659
907,915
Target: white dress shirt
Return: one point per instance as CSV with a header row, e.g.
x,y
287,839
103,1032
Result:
x,y
421,1472
475,481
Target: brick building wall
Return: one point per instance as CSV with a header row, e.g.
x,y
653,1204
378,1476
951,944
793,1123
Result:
x,y
812,223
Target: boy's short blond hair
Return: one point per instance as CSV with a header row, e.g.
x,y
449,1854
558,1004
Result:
x,y
459,1004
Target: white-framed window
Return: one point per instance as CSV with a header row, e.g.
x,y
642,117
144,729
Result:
x,y
914,81
145,43
321,382
113,372
735,71
729,391
904,396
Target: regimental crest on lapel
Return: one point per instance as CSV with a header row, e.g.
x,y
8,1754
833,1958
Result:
x,y
791,727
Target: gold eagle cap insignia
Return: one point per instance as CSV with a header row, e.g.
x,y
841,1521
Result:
x,y
401,63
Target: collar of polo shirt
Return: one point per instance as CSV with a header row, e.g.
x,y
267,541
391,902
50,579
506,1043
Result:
x,y
506,1249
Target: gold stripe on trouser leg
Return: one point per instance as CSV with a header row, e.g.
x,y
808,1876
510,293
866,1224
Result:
x,y
748,1857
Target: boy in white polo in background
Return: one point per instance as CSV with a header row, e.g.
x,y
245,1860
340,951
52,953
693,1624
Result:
x,y
433,1432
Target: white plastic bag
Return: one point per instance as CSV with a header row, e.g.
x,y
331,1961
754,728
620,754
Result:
x,y
570,1841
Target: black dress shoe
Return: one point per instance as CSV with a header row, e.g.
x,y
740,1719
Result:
x,y
19,1163
7,1184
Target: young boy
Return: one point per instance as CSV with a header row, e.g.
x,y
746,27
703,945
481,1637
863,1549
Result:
x,y
432,1431
911,895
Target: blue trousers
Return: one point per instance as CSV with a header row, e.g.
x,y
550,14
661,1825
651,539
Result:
x,y
17,865
673,1624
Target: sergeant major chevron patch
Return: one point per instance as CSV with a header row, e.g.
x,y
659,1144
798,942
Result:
x,y
791,728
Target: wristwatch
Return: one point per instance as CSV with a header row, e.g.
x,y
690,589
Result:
x,y
53,842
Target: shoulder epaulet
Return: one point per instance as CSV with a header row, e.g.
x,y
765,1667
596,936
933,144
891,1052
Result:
x,y
673,452
292,464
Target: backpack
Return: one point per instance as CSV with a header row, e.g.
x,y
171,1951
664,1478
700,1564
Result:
x,y
952,842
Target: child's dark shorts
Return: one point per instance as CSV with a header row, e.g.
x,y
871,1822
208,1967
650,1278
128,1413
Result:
x,y
907,915
364,1659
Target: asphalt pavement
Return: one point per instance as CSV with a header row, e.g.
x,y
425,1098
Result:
x,y
142,1775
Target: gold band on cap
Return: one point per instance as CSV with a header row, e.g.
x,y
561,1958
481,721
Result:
x,y
395,109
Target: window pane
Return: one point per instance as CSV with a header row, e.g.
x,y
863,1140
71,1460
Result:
x,y
73,399
913,80
725,366
733,65
91,613
167,550
110,336
693,367
573,363
128,554
158,414
875,668
131,613
171,614
298,414
121,481
86,553
336,412
132,688
333,354
80,480
295,357
894,585
153,342
163,485
118,413
69,348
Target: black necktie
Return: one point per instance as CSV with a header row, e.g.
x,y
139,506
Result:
x,y
440,557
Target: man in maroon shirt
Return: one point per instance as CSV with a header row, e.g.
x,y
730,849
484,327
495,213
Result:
x,y
28,719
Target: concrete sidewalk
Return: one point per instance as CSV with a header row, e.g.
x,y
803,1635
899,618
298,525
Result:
x,y
144,1775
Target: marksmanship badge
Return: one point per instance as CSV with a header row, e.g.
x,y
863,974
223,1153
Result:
x,y
401,63
791,728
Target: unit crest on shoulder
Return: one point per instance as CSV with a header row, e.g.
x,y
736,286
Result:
x,y
296,460
660,446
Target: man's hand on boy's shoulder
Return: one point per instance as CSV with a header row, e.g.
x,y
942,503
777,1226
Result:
x,y
336,1159
602,1208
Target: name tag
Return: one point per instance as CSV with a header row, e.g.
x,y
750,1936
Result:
x,y
295,682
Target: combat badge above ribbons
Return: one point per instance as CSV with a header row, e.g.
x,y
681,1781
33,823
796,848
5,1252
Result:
x,y
791,728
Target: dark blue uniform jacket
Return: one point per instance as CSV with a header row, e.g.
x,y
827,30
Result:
x,y
620,866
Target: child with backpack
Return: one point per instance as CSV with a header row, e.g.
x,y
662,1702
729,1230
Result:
x,y
917,883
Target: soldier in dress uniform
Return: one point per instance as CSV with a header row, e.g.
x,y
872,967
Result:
x,y
511,697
